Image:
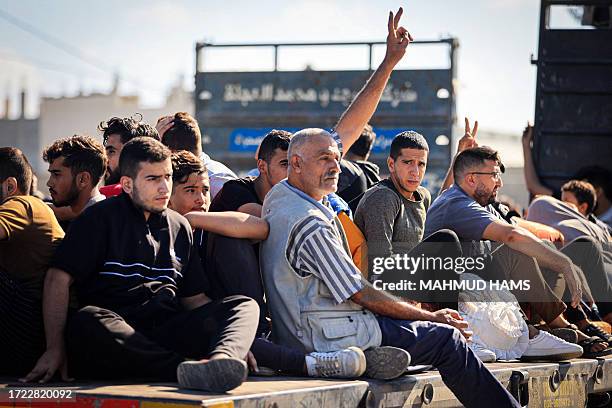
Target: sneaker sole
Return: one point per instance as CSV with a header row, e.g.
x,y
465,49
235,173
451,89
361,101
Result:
x,y
553,357
219,375
386,363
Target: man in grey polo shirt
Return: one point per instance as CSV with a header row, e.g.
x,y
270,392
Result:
x,y
511,251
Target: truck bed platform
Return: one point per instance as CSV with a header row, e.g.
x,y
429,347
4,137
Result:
x,y
564,384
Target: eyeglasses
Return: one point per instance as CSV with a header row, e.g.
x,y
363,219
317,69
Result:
x,y
496,174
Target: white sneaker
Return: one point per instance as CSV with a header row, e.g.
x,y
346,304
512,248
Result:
x,y
484,354
347,363
546,346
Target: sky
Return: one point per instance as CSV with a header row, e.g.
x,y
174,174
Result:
x,y
150,44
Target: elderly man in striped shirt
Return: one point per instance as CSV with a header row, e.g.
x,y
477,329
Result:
x,y
319,301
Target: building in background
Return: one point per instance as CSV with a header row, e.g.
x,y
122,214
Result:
x,y
65,116
20,131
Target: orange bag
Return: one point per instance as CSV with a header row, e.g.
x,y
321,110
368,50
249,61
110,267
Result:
x,y
357,243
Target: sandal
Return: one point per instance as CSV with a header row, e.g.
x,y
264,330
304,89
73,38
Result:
x,y
593,330
587,345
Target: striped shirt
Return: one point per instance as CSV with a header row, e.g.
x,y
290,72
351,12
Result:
x,y
315,248
338,141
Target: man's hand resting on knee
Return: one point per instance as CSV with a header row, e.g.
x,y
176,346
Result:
x,y
452,318
384,304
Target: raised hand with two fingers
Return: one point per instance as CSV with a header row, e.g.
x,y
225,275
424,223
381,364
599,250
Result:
x,y
398,38
469,137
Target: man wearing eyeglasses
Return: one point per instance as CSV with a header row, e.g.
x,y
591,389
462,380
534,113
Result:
x,y
510,250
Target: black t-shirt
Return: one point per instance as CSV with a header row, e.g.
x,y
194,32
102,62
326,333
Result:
x,y
371,171
234,194
352,183
121,261
200,240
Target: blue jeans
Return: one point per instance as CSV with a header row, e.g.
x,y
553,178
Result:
x,y
444,347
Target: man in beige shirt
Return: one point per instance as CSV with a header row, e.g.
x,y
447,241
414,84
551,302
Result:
x,y
29,234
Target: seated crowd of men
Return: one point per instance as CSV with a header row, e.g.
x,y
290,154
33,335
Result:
x,y
178,270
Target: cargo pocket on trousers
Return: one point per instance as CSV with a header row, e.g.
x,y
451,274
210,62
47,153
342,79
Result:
x,y
333,333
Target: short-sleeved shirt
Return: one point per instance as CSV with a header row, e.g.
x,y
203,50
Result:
x,y
234,194
218,174
120,260
599,222
32,235
352,183
320,249
457,211
371,171
565,218
390,222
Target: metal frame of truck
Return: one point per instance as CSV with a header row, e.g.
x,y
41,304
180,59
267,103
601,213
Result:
x,y
573,112
431,112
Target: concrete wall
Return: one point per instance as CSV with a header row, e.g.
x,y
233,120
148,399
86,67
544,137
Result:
x,y
23,134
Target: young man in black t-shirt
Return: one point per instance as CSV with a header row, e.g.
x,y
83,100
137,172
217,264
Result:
x,y
143,310
247,194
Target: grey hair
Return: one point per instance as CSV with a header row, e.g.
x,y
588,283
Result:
x,y
301,137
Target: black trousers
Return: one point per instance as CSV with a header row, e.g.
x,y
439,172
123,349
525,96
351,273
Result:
x,y
233,269
445,348
232,266
22,336
103,344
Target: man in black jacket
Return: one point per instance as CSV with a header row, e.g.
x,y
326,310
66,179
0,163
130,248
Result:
x,y
139,282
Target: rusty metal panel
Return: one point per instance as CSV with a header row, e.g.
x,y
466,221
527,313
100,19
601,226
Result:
x,y
340,396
